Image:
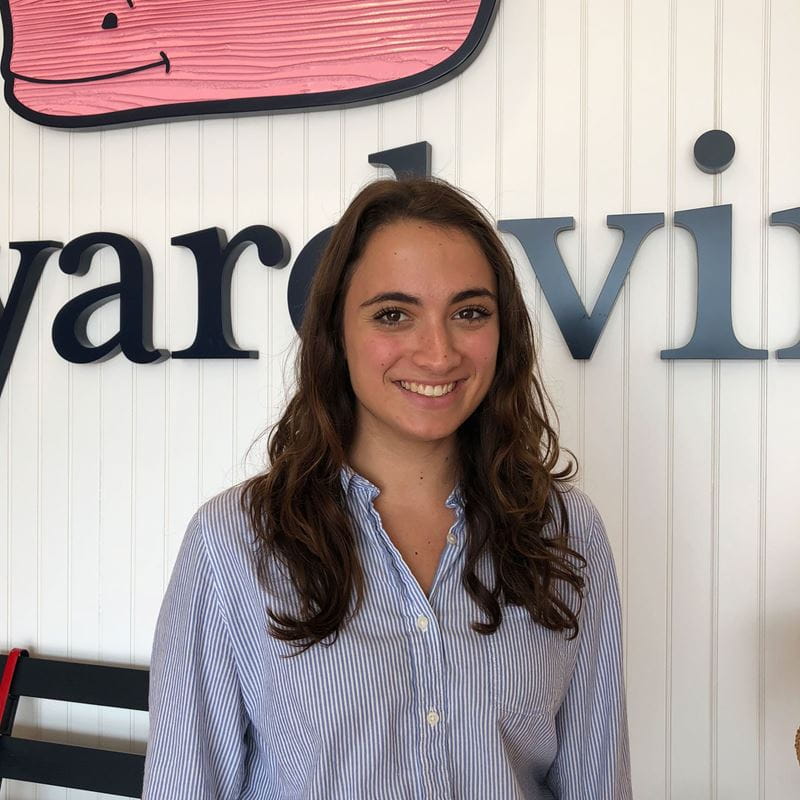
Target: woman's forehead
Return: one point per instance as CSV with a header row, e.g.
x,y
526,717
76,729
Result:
x,y
418,258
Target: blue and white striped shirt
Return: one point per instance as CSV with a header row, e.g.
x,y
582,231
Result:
x,y
408,704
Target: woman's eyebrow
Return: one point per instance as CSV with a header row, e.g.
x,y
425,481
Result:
x,y
412,300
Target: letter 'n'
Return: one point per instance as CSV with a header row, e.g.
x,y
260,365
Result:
x,y
581,330
791,218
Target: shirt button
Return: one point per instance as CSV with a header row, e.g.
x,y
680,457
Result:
x,y
422,622
432,717
451,539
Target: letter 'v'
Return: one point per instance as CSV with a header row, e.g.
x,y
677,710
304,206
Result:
x,y
33,257
580,329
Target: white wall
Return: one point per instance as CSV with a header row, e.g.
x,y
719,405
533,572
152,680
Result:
x,y
573,108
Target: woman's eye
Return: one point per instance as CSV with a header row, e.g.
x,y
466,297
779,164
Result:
x,y
389,316
383,316
479,310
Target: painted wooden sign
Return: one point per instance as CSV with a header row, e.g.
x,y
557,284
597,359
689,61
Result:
x,y
88,63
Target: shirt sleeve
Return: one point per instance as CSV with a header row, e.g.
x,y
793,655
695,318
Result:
x,y
196,748
593,753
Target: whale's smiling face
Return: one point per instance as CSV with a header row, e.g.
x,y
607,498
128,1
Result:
x,y
78,63
76,42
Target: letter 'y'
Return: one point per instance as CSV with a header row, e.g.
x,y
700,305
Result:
x,y
33,256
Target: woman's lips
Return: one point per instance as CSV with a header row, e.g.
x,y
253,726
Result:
x,y
426,401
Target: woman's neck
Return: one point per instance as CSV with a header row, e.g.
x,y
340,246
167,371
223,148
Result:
x,y
415,472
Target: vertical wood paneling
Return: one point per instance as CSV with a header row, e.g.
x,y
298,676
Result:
x,y
85,204
736,681
5,408
150,414
276,308
572,109
441,126
217,377
781,550
397,123
24,499
55,425
561,67
646,623
360,136
519,138
604,188
288,181
252,287
182,467
116,422
560,190
324,168
766,68
478,141
693,432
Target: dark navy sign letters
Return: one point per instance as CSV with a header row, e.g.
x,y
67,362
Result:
x,y
215,259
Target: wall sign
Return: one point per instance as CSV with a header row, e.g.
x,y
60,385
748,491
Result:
x,y
215,258
87,63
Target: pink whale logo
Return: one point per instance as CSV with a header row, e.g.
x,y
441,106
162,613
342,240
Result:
x,y
88,63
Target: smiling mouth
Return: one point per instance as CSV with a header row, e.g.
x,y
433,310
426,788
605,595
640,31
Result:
x,y
163,61
406,386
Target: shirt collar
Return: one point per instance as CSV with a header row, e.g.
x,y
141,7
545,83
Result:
x,y
352,480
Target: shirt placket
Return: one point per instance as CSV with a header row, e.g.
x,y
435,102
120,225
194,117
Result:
x,y
427,649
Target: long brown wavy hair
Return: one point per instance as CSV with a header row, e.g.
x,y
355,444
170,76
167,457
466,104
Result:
x,y
508,449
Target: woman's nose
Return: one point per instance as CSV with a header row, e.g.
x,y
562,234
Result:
x,y
435,349
110,21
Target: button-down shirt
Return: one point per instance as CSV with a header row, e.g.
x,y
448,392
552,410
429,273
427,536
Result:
x,y
409,703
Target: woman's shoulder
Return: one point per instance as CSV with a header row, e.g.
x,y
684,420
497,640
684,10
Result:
x,y
224,508
223,525
584,521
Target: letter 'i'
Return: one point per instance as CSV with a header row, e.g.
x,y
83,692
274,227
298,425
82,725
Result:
x,y
711,228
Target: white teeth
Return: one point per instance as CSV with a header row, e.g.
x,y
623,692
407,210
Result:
x,y
427,390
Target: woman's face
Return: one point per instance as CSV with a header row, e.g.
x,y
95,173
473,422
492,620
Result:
x,y
420,315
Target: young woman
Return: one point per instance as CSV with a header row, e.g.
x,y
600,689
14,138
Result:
x,y
411,602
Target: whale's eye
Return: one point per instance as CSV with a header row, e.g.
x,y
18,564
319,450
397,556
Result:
x,y
109,21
